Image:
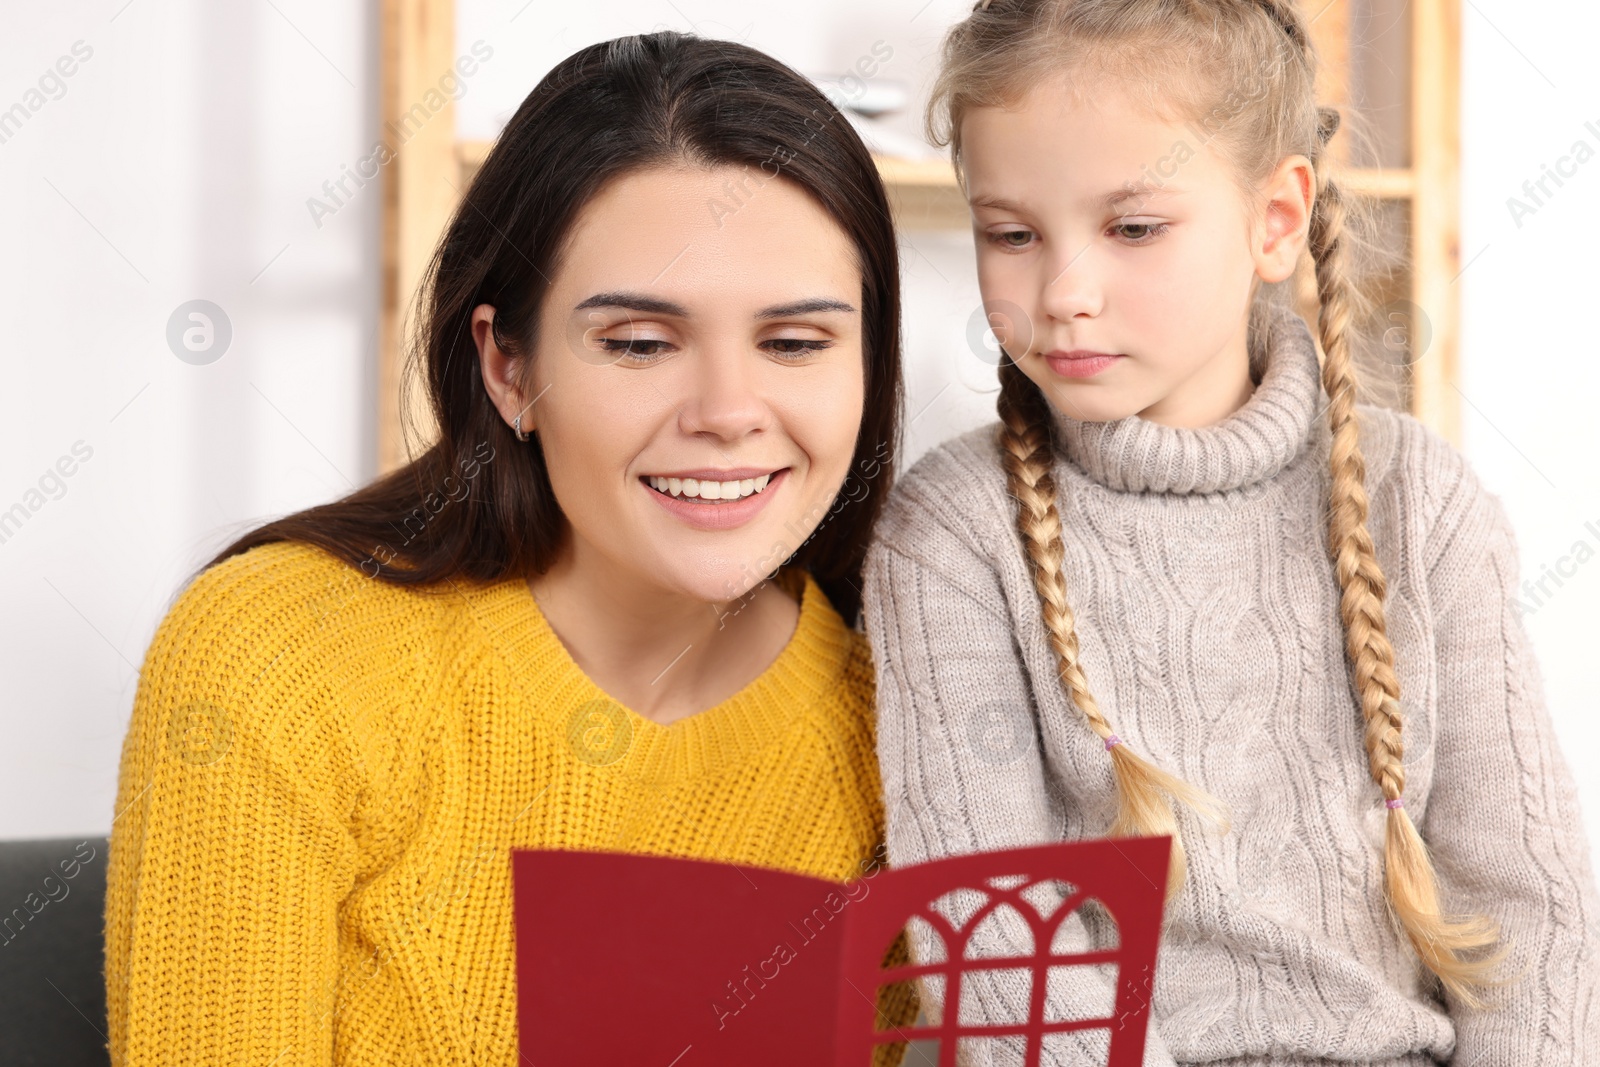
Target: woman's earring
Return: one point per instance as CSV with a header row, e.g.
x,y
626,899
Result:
x,y
522,435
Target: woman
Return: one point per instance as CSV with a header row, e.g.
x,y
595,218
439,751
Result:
x,y
611,608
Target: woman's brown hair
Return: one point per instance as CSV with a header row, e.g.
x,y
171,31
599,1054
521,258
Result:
x,y
656,99
1254,96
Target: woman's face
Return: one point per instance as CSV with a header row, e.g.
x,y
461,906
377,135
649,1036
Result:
x,y
698,377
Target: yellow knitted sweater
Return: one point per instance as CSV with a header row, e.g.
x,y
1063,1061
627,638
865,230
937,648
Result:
x,y
324,776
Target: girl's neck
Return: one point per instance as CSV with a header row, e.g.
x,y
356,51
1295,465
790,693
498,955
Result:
x,y
660,653
1249,446
1217,388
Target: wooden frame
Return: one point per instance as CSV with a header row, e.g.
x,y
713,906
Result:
x,y
420,188
1436,207
423,182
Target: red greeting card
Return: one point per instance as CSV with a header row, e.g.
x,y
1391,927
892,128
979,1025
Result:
x,y
649,961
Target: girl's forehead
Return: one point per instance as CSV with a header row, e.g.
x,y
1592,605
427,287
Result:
x,y
1068,95
1168,94
1101,152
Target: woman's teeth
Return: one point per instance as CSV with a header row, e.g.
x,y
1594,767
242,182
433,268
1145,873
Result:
x,y
708,490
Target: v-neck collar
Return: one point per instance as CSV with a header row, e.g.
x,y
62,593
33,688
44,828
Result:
x,y
603,731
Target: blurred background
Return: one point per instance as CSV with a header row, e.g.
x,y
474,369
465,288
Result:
x,y
206,264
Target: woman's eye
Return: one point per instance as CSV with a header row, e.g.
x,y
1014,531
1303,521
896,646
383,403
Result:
x,y
635,348
1011,238
796,346
1138,233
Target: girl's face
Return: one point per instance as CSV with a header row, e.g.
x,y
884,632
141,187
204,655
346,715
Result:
x,y
698,379
1117,257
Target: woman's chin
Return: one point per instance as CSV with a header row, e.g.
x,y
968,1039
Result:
x,y
722,581
720,567
710,575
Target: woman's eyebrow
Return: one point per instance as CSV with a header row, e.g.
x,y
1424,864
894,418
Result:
x,y
805,307
656,306
633,302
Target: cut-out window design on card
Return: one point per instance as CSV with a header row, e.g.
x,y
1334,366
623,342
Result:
x,y
717,963
1055,955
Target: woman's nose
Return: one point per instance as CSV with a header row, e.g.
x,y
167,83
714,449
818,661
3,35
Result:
x,y
725,397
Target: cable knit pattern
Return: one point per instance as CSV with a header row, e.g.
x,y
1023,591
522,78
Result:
x,y
324,777
1197,562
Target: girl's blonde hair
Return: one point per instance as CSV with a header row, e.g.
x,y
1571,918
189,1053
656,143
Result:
x,y
1254,97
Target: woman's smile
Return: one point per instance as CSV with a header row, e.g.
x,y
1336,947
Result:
x,y
719,500
711,485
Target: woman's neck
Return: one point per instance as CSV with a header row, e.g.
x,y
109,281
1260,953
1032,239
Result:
x,y
660,653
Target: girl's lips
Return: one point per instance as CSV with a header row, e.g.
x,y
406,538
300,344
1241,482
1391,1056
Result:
x,y
1076,365
718,514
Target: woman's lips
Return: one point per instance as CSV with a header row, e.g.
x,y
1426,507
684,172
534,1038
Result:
x,y
1080,363
718,514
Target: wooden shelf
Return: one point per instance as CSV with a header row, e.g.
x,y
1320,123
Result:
x,y
937,174
1379,184
1385,184
933,173
418,38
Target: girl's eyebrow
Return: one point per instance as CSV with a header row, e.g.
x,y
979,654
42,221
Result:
x,y
999,203
656,306
1139,190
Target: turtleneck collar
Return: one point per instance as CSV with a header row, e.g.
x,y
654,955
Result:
x,y
1251,445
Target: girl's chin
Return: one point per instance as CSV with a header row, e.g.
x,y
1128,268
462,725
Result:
x,y
1091,404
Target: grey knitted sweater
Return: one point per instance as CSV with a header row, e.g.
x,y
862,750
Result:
x,y
1197,566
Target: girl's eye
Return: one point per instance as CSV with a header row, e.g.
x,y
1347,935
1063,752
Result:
x,y
795,347
637,349
1011,238
1139,233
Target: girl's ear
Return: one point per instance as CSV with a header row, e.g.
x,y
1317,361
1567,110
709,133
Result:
x,y
1285,218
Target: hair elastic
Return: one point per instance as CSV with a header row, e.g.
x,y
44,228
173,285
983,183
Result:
x,y
1397,802
1112,741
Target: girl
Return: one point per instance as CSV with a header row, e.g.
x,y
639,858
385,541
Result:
x,y
1122,596
554,628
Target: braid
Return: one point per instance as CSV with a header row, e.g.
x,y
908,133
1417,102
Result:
x,y
1143,808
1412,889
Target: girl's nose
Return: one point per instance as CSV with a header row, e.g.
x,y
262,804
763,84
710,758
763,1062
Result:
x,y
1074,288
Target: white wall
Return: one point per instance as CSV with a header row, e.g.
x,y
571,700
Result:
x,y
174,166
178,163
1530,381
